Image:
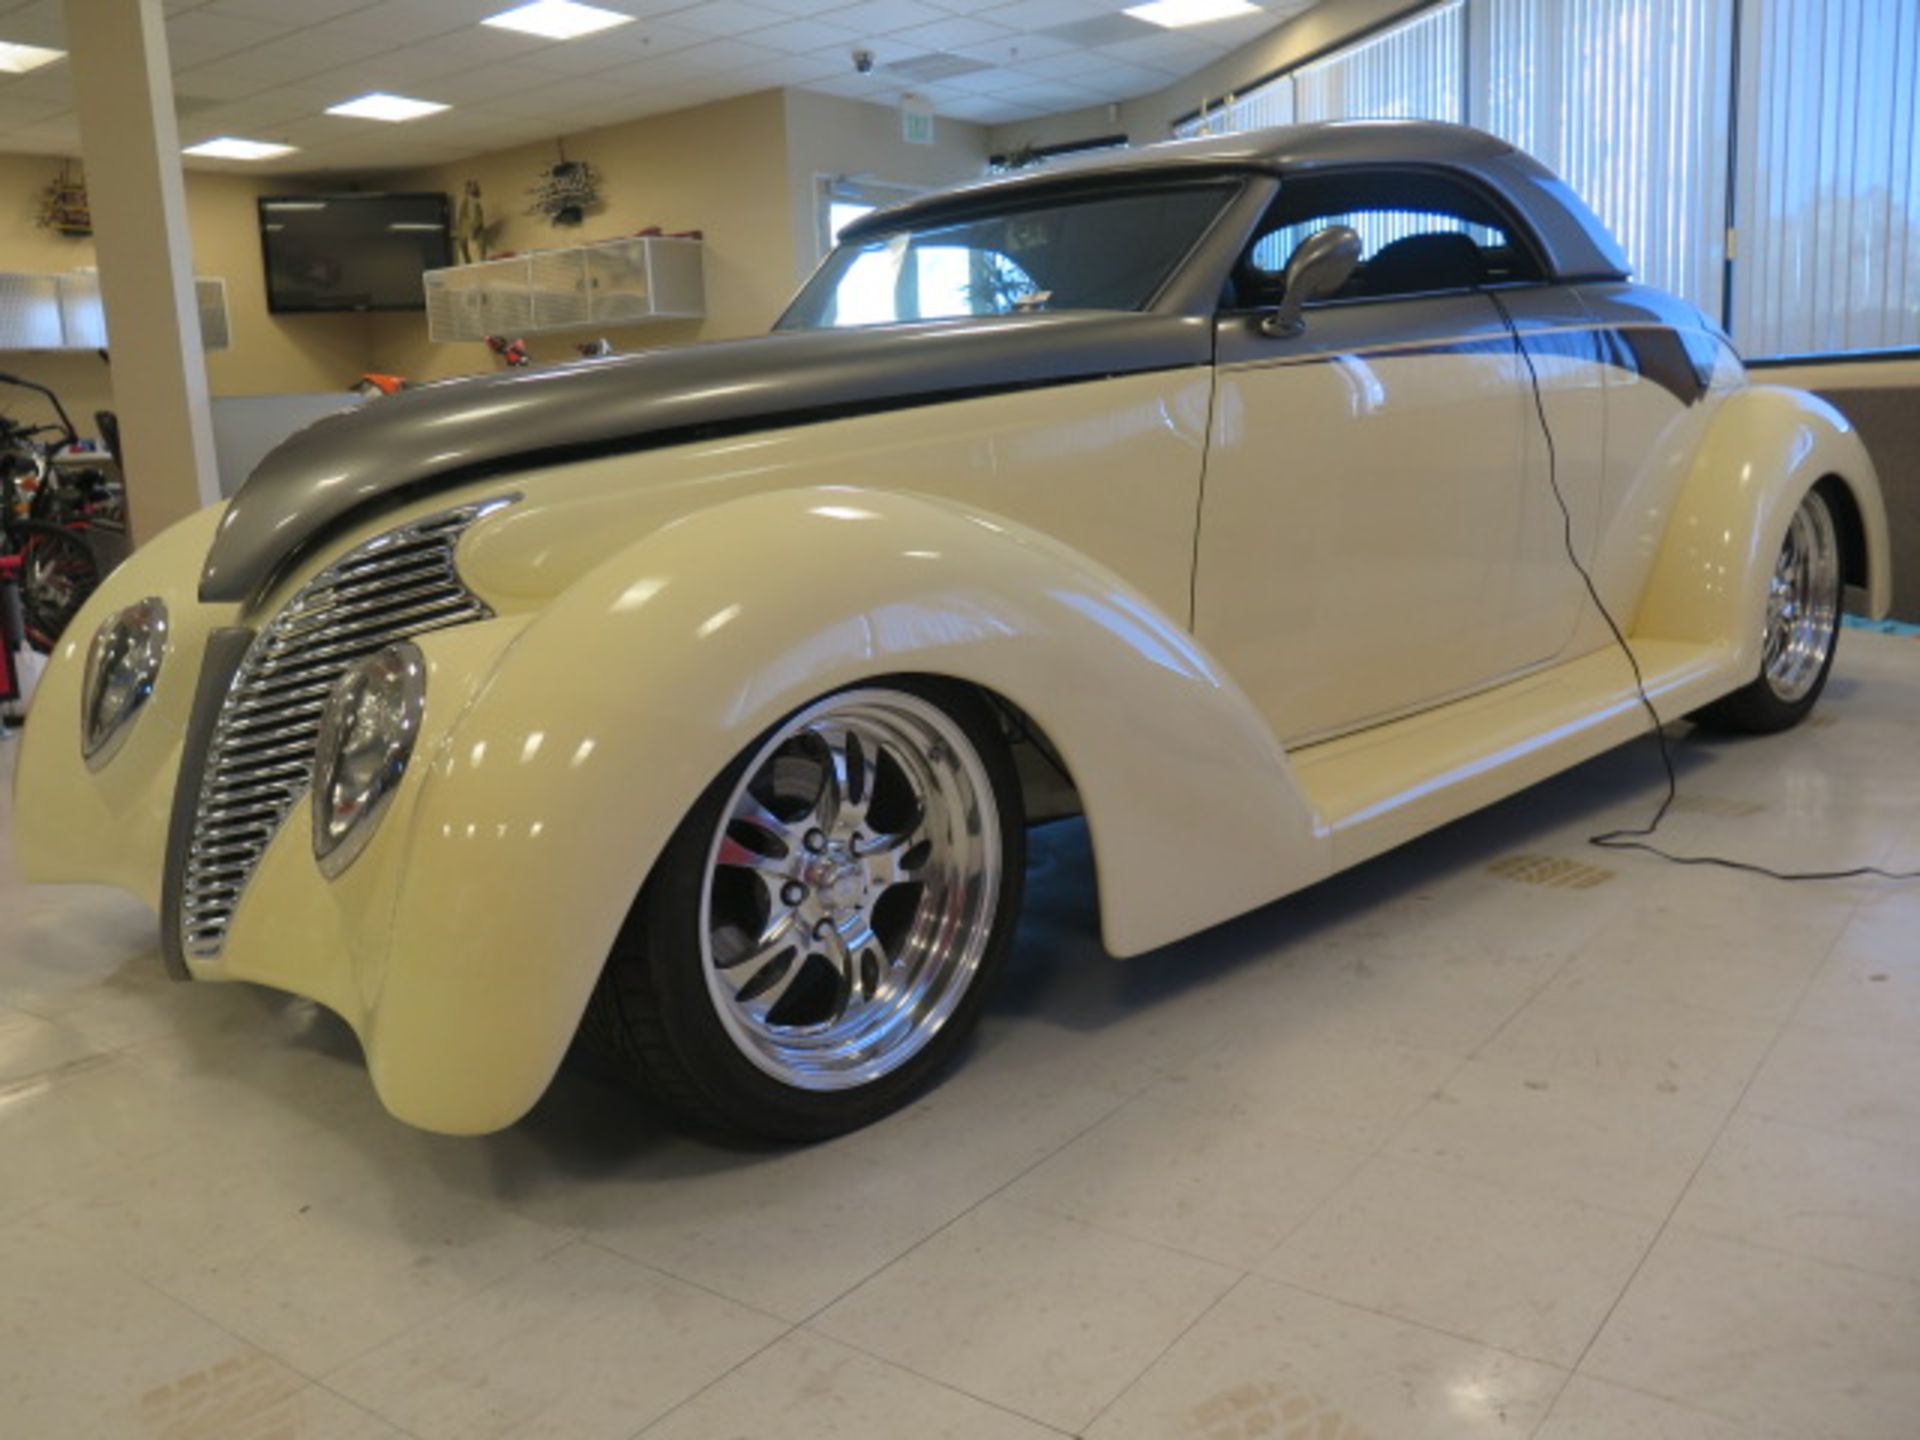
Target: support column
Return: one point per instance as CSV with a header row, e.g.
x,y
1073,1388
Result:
x,y
130,142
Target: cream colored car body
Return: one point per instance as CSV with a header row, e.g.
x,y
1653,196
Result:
x,y
1116,558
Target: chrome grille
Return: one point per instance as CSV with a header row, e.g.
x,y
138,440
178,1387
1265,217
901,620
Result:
x,y
260,760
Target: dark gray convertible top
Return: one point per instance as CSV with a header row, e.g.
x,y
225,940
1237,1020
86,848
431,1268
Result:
x,y
1573,242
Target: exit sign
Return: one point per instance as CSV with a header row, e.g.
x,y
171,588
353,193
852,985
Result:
x,y
916,122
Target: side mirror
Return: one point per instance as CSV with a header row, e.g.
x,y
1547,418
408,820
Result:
x,y
1319,265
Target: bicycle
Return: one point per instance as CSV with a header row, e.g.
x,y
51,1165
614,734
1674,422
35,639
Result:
x,y
39,524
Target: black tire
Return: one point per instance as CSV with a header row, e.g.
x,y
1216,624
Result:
x,y
654,1022
58,573
1760,707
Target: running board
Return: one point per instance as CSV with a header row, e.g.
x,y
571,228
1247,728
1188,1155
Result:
x,y
1379,788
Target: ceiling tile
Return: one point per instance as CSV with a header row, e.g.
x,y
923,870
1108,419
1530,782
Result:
x,y
270,67
41,22
802,35
24,111
199,36
954,31
309,12
1043,14
879,17
52,82
728,17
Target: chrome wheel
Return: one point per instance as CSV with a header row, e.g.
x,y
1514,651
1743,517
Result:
x,y
1803,603
850,889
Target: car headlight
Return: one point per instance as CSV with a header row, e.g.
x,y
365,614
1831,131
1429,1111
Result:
x,y
122,664
367,735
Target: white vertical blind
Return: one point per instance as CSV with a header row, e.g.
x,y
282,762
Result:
x,y
1411,71
1828,186
1632,103
1629,101
1263,106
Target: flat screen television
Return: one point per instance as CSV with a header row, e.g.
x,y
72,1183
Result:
x,y
351,252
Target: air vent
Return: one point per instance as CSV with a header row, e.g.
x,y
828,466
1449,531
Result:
x,y
210,295
935,66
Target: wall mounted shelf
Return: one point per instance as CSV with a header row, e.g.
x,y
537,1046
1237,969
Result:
x,y
633,281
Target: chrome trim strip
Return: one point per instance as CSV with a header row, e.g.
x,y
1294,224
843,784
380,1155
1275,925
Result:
x,y
225,650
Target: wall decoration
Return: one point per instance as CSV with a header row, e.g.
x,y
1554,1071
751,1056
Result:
x,y
64,208
568,189
470,226
514,352
1023,156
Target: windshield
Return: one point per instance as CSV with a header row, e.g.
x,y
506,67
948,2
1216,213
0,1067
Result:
x,y
1094,254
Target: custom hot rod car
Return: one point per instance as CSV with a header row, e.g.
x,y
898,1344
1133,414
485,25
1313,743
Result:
x,y
1240,494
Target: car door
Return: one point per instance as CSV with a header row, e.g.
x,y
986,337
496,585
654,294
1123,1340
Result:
x,y
1379,532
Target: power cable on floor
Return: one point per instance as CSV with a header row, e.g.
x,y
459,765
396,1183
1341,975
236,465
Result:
x,y
1637,838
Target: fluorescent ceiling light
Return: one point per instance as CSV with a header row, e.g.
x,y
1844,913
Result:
x,y
381,106
557,19
19,59
228,147
1175,13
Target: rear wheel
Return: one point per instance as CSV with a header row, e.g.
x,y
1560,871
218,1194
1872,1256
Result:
x,y
1803,624
819,935
57,574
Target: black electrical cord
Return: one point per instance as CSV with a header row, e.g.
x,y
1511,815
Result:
x,y
1637,838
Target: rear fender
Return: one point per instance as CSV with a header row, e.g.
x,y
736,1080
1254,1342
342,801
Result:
x,y
547,802
1767,448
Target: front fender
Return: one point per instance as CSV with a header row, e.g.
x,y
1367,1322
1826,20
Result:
x,y
545,805
1768,446
74,826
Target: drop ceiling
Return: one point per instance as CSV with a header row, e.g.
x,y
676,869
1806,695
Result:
x,y
268,69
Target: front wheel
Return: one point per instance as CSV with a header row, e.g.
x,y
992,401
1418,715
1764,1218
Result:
x,y
820,933
1803,624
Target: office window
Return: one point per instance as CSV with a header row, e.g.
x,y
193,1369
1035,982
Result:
x,y
1264,106
1629,101
1827,193
1632,102
839,201
1410,71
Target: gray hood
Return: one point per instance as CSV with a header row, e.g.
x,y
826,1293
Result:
x,y
339,469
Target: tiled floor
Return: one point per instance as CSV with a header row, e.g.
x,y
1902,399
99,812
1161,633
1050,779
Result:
x,y
1431,1151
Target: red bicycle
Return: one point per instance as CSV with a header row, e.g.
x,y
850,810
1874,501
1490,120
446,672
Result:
x,y
58,569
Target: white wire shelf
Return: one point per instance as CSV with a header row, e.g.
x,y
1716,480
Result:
x,y
616,282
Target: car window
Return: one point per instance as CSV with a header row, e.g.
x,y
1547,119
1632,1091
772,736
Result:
x,y
1110,253
1377,230
1419,233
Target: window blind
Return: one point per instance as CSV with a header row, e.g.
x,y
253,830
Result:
x,y
1629,100
1411,71
1827,208
1633,103
1264,106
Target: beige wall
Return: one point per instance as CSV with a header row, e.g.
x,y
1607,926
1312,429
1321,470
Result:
x,y
1326,26
270,354
828,136
740,170
717,168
